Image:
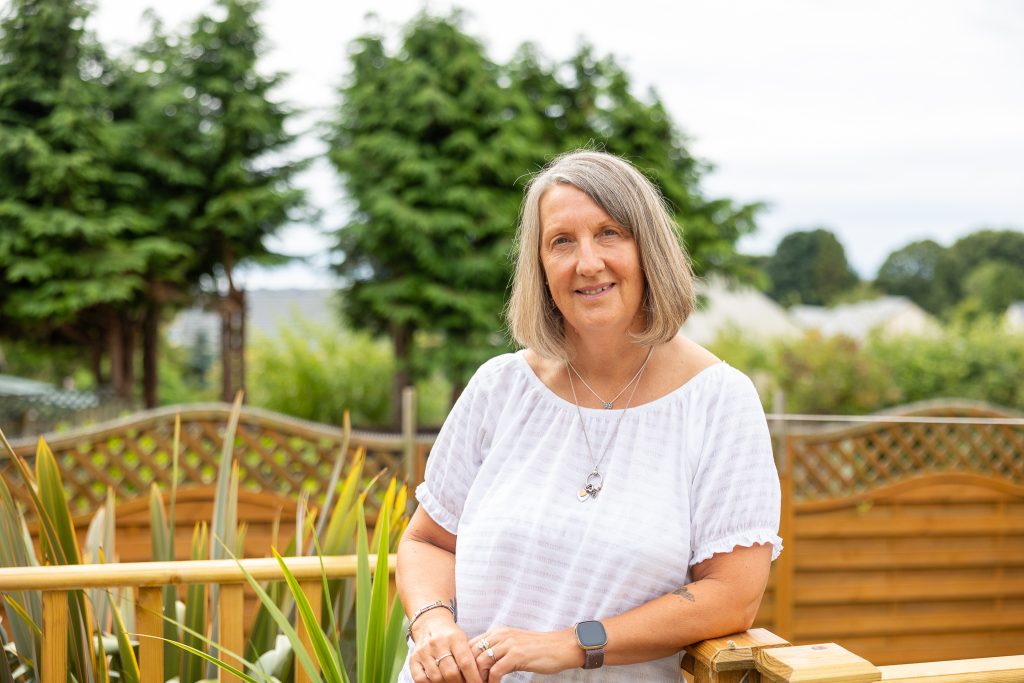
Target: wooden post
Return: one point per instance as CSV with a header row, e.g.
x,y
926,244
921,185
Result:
x,y
785,566
827,663
148,610
230,623
729,659
313,590
409,434
55,637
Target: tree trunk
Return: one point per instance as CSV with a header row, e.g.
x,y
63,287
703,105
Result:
x,y
232,343
150,351
96,361
401,339
128,334
115,347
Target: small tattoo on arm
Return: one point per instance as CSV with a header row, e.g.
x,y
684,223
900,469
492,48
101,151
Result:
x,y
684,593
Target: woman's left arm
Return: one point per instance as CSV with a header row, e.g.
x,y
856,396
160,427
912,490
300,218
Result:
x,y
722,599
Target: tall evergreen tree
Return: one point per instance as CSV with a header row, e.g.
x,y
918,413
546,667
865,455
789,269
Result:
x,y
424,142
72,250
212,144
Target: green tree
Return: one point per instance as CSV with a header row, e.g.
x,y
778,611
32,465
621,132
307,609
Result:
x,y
980,247
914,271
213,146
73,247
992,286
436,183
588,101
809,267
424,140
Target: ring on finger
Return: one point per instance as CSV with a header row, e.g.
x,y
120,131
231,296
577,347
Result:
x,y
483,645
490,653
437,661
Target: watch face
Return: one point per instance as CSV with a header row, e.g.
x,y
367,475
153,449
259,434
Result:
x,y
591,634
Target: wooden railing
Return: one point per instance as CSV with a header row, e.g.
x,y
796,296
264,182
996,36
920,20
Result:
x,y
748,657
149,579
760,655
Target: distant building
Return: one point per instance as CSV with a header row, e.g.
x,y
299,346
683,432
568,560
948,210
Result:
x,y
267,311
1015,316
888,315
723,306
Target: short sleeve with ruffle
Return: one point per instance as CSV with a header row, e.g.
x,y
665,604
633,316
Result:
x,y
735,495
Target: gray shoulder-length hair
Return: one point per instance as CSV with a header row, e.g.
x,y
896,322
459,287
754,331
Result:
x,y
635,203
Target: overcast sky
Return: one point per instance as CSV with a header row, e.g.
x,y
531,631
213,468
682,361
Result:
x,y
884,121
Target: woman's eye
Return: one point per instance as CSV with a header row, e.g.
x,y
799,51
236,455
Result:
x,y
559,241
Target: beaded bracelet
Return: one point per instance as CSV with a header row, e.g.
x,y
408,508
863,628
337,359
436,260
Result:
x,y
450,606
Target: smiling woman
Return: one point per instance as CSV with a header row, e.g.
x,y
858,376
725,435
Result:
x,y
613,526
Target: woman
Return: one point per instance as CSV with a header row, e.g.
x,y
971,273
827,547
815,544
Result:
x,y
607,495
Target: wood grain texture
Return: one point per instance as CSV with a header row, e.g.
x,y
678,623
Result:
x,y
990,670
54,665
230,629
823,663
313,590
150,625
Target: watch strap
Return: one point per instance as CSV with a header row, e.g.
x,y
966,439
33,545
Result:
x,y
594,659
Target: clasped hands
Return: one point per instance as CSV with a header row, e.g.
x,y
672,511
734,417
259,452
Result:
x,y
443,653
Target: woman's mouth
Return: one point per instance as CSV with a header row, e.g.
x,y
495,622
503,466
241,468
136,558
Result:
x,y
596,290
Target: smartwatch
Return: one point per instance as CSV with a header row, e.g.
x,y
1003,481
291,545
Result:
x,y
592,638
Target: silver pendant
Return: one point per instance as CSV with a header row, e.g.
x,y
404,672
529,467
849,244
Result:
x,y
591,487
607,405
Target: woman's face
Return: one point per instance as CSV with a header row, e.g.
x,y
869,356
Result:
x,y
591,263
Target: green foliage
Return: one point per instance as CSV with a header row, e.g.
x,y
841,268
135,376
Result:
x,y
980,274
437,182
837,375
810,268
315,372
913,271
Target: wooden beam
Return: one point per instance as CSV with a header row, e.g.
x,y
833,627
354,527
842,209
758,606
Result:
x,y
827,663
989,670
730,658
55,637
229,629
150,624
313,590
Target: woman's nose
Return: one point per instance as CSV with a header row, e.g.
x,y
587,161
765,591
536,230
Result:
x,y
590,261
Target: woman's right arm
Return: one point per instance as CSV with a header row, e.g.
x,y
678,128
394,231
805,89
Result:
x,y
426,574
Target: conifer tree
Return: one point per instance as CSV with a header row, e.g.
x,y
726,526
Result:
x,y
72,250
426,143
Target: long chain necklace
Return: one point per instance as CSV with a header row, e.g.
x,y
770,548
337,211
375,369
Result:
x,y
594,482
607,405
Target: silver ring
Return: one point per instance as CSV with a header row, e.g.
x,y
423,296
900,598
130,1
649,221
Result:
x,y
490,653
437,662
483,645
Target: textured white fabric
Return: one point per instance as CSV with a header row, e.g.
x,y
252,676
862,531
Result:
x,y
688,475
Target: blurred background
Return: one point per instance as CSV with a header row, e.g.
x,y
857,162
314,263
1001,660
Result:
x,y
315,201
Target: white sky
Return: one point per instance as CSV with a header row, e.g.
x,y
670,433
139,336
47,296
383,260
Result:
x,y
885,121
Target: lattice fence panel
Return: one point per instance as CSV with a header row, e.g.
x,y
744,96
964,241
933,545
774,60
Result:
x,y
275,453
844,462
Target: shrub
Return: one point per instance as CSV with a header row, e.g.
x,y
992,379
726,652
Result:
x,y
316,372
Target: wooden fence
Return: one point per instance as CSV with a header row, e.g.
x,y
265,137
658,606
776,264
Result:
x,y
905,537
276,453
749,657
904,534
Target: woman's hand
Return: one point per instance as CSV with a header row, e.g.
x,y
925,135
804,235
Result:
x,y
501,651
442,653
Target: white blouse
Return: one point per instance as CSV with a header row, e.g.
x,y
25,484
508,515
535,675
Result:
x,y
686,476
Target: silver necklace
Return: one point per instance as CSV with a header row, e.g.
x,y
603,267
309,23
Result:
x,y
607,405
594,482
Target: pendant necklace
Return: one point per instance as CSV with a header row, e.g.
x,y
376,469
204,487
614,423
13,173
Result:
x,y
594,481
607,405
